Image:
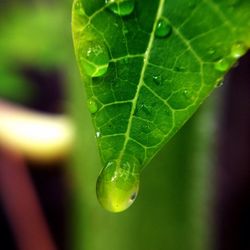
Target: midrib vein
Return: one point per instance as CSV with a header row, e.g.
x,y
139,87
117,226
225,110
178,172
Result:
x,y
145,64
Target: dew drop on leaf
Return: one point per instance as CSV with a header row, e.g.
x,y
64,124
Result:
x,y
78,8
121,7
93,57
179,68
163,28
219,83
98,134
157,79
238,50
211,51
146,109
181,99
92,106
146,128
117,185
222,65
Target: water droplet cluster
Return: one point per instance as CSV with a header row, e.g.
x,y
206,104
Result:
x,y
237,50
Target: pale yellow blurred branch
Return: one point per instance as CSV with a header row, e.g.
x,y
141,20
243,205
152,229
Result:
x,y
40,137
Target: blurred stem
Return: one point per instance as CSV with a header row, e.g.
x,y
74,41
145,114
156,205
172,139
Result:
x,y
21,204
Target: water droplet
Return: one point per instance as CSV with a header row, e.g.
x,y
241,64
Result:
x,y
163,28
211,51
117,185
121,7
182,99
98,134
93,57
142,109
78,8
238,50
146,109
179,68
146,128
219,83
92,106
157,79
222,65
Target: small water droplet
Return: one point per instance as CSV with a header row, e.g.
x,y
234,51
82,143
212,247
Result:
x,y
145,109
93,57
157,79
163,28
92,106
121,7
211,51
238,50
142,108
222,65
146,128
78,8
182,99
219,83
98,134
179,68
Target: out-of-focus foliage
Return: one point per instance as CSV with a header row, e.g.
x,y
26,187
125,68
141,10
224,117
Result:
x,y
36,35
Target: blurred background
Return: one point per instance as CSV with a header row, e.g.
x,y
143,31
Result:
x,y
194,195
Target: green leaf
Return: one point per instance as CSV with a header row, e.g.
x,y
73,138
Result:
x,y
147,66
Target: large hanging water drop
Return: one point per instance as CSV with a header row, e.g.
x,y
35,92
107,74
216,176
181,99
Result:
x,y
121,7
163,28
93,57
118,185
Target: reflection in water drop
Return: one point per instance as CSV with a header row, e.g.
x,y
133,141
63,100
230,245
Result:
x,y
163,28
121,7
133,196
93,57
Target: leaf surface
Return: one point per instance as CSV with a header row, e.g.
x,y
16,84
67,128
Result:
x,y
152,83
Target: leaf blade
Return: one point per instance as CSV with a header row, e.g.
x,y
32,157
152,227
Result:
x,y
137,115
